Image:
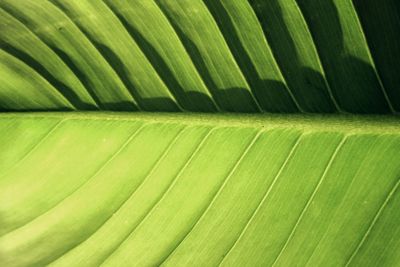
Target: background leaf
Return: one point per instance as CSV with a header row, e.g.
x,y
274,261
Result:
x,y
283,56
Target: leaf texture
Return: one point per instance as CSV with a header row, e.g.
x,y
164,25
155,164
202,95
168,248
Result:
x,y
282,56
168,183
146,190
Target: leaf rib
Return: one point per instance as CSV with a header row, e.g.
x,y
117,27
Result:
x,y
212,98
245,152
372,62
250,90
130,138
318,60
95,100
279,68
255,212
198,148
100,53
373,222
144,55
218,80
159,160
274,62
30,151
54,90
180,39
328,166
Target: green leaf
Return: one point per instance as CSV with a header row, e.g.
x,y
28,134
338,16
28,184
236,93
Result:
x,y
251,56
198,190
82,188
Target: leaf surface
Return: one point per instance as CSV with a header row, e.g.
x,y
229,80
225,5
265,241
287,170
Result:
x,y
202,184
281,56
194,190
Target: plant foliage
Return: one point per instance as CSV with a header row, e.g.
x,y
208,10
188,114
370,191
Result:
x,y
94,187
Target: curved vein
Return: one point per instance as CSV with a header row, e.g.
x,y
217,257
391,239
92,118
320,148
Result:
x,y
168,89
130,138
99,52
289,156
250,90
159,160
318,60
384,91
55,92
43,42
328,166
198,148
249,146
374,220
33,148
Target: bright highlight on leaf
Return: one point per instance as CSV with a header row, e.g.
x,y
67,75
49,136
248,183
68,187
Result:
x,y
91,187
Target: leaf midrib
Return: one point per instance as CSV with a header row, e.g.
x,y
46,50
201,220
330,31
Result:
x,y
379,124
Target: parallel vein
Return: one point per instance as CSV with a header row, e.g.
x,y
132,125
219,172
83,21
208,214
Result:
x,y
289,156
